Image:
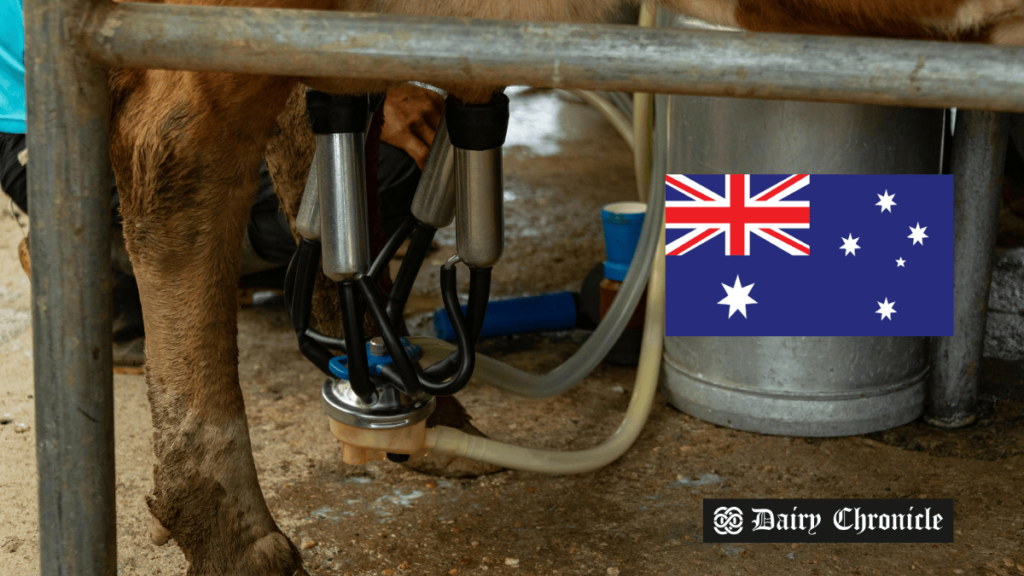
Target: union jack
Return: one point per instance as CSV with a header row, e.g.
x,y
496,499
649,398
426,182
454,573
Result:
x,y
737,214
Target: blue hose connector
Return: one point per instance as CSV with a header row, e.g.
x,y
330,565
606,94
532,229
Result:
x,y
546,313
339,364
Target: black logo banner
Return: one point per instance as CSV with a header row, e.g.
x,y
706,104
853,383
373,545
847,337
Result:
x,y
828,520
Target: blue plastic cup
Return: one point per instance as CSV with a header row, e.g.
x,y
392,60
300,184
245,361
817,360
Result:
x,y
622,224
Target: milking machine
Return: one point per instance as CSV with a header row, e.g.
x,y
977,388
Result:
x,y
377,394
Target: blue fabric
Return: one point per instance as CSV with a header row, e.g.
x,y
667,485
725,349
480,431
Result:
x,y
12,67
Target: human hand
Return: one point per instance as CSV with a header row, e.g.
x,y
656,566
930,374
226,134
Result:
x,y
411,116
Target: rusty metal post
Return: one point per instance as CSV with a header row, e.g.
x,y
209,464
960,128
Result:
x,y
979,154
69,198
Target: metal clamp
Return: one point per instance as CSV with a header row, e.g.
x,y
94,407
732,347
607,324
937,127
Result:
x,y
377,357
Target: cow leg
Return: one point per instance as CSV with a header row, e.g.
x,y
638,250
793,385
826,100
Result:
x,y
186,149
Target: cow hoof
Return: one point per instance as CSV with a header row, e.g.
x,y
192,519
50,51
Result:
x,y
158,535
449,412
273,555
450,466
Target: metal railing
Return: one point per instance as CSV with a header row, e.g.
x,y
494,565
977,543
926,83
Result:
x,y
70,43
593,57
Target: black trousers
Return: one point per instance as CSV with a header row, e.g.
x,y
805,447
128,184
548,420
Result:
x,y
13,181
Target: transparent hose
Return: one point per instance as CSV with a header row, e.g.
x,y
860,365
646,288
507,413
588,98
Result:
x,y
450,441
596,347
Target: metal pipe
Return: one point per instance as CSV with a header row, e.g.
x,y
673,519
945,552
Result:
x,y
434,202
343,216
69,197
479,221
593,57
979,154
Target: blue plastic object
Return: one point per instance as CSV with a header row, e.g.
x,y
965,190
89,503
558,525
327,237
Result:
x,y
622,224
339,364
546,313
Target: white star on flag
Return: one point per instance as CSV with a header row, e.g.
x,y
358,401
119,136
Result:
x,y
738,296
900,263
886,201
850,245
917,234
886,310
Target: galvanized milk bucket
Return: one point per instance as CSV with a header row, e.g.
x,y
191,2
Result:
x,y
788,385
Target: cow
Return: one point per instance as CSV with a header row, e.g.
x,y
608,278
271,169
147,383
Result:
x,y
186,148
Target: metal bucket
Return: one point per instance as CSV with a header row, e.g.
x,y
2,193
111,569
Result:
x,y
787,385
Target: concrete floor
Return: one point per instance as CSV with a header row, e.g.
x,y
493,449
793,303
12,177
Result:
x,y
641,515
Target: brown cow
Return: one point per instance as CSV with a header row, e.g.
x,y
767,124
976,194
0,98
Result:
x,y
186,147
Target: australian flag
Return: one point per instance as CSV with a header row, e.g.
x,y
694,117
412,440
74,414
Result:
x,y
809,255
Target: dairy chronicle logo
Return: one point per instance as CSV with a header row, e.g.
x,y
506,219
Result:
x,y
728,520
